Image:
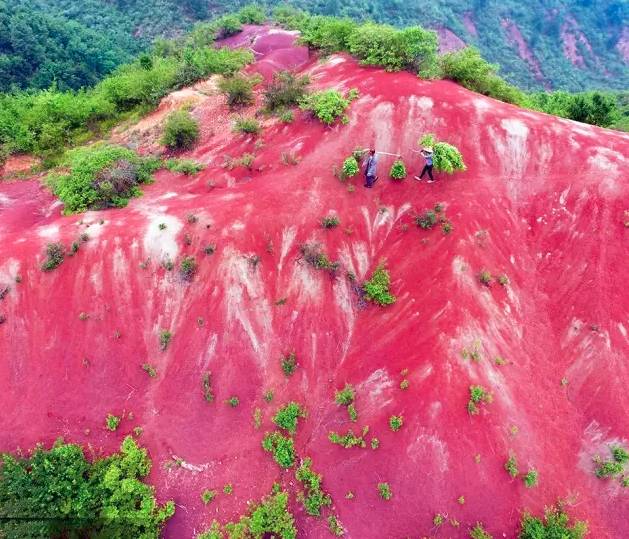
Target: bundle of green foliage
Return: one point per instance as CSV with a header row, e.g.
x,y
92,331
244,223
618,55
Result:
x,y
285,90
327,34
57,492
478,396
479,532
350,167
238,90
227,25
349,439
314,497
252,14
328,105
270,518
377,288
181,131
469,69
555,524
398,170
282,447
446,158
314,255
413,48
188,268
100,176
593,108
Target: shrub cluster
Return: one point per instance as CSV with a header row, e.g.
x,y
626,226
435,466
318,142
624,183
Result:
x,y
100,176
377,288
478,395
181,131
314,497
57,492
238,90
328,105
554,524
349,439
286,90
282,447
55,254
287,416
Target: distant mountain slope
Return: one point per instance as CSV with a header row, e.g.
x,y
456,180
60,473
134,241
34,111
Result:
x,y
554,44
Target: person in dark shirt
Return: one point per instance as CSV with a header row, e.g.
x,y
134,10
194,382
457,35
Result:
x,y
371,174
427,153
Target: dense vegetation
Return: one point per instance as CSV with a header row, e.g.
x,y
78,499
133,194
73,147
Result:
x,y
58,492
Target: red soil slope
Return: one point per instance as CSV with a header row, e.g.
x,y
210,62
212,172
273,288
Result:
x,y
542,202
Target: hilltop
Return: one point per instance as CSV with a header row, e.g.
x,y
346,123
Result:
x,y
543,203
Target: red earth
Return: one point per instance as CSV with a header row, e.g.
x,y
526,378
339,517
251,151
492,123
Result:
x,y
543,202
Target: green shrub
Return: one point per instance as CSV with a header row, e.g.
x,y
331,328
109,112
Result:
x,y
385,491
345,396
57,492
620,454
285,90
233,401
446,158
184,166
328,34
287,416
349,439
377,288
287,116
327,105
555,524
530,479
331,221
112,422
412,48
608,468
149,369
227,25
188,268
247,125
251,14
270,518
485,277
478,532
512,467
314,498
398,170
238,90
427,220
181,131
335,526
350,167
396,422
469,69
282,447
289,363
314,256
594,108
54,256
478,395
208,495
164,338
100,176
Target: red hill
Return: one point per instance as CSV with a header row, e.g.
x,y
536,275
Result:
x,y
543,202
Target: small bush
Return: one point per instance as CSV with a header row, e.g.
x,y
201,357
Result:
x,y
608,468
335,526
385,491
478,395
233,401
396,422
350,167
427,220
349,439
512,467
331,221
313,254
285,90
149,369
328,105
398,170
375,443
530,479
228,489
289,364
485,277
620,454
287,116
164,338
206,382
181,131
209,249
238,90
207,496
188,268
478,532
251,14
353,414
554,524
377,288
227,25
446,158
314,498
287,416
54,256
289,158
247,125
184,166
283,448
345,396
112,422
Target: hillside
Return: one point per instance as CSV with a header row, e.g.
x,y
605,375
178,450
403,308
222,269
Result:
x,y
573,45
543,202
